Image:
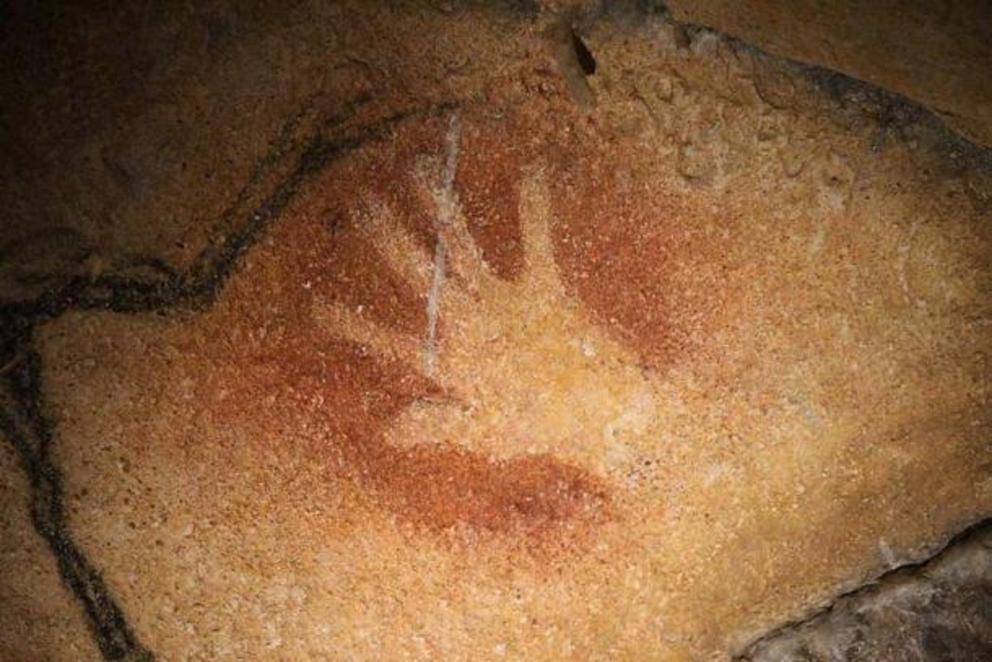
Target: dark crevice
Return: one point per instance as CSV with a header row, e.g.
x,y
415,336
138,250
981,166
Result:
x,y
584,56
909,569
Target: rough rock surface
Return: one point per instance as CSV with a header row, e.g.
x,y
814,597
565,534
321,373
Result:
x,y
940,610
421,330
938,54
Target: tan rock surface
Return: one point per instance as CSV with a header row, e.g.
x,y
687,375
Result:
x,y
702,355
937,54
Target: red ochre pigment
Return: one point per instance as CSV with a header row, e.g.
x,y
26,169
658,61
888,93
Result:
x,y
280,365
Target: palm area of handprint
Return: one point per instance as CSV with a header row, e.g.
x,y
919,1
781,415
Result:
x,y
525,377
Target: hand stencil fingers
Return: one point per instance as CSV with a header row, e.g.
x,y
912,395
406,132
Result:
x,y
351,324
401,251
535,229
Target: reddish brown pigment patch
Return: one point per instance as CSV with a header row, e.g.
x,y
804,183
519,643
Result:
x,y
387,173
347,399
440,487
298,382
487,182
616,250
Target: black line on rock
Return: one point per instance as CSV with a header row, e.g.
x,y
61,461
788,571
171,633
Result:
x,y
23,419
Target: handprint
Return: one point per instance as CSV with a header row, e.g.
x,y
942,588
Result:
x,y
528,385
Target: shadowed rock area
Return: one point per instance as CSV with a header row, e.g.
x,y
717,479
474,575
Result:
x,y
940,610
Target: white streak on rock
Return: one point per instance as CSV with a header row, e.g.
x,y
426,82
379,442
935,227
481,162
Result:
x,y
445,210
